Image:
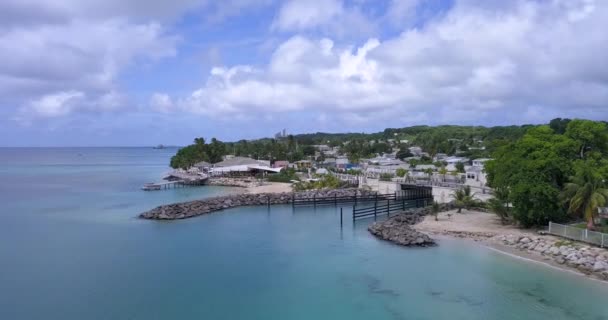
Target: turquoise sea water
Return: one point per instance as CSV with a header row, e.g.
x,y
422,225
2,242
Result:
x,y
71,248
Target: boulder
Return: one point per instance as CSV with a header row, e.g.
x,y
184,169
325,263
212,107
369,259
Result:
x,y
600,266
398,230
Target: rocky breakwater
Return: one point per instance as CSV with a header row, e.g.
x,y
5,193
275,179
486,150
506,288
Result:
x,y
398,229
589,260
199,207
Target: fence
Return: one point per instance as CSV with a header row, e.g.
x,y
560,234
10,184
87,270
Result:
x,y
578,234
335,199
387,207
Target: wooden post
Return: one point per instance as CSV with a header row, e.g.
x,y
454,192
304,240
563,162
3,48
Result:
x,y
375,208
268,202
341,219
314,200
293,200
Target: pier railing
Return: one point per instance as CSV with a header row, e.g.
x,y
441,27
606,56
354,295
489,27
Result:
x,y
578,234
388,207
335,200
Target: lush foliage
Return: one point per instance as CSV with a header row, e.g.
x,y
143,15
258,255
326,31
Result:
x,y
435,210
400,172
499,204
536,169
197,152
585,193
464,198
286,175
386,177
467,141
325,182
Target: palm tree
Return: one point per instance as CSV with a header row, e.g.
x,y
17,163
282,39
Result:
x,y
435,210
463,197
585,194
500,204
443,171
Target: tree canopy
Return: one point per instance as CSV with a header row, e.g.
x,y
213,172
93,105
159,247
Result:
x,y
536,168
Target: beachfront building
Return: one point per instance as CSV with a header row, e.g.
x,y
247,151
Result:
x,y
242,166
343,164
455,160
480,162
416,151
322,171
202,166
475,174
328,163
303,164
281,164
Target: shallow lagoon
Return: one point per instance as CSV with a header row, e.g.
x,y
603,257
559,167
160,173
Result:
x,y
73,250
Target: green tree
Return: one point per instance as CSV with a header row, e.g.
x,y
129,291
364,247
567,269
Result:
x,y
435,210
460,167
534,170
463,197
443,171
590,136
499,204
403,153
559,125
400,172
585,193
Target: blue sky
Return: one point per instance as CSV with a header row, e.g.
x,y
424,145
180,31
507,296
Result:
x,y
104,73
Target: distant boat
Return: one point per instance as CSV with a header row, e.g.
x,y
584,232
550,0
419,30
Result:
x,y
160,146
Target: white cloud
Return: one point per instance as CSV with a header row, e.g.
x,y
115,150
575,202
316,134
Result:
x,y
57,104
78,56
330,16
306,14
51,48
473,63
161,102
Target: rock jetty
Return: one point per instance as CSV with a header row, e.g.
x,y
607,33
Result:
x,y
199,207
398,229
589,260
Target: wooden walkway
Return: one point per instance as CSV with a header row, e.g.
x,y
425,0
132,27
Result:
x,y
184,181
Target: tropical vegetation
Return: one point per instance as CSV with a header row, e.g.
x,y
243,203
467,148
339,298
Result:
x,y
463,198
553,173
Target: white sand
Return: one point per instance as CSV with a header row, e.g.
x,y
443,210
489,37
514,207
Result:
x,y
270,187
469,221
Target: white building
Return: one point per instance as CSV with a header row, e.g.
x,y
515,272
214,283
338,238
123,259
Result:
x,y
480,162
455,160
417,151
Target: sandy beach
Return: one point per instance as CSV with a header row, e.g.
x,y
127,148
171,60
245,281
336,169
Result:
x,y
486,229
270,187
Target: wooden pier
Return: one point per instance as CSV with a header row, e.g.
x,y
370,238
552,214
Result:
x,y
183,181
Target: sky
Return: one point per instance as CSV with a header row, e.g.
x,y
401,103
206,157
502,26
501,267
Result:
x,y
148,72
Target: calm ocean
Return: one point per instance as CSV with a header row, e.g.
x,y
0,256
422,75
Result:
x,y
72,249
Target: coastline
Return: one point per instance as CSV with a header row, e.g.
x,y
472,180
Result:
x,y
486,230
250,185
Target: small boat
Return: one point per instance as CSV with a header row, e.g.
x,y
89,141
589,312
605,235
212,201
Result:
x,y
160,146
